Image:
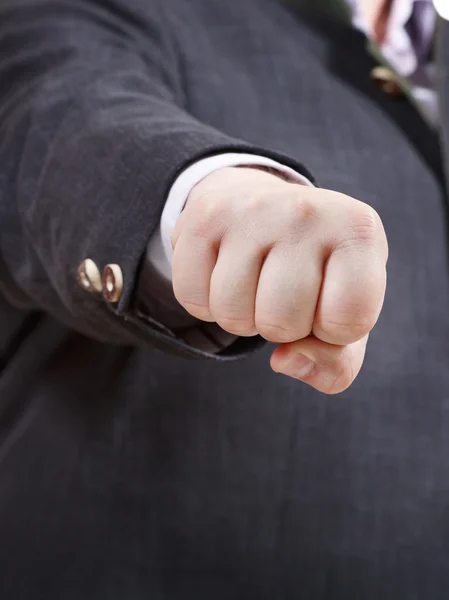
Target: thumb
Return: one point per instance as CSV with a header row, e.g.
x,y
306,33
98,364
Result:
x,y
328,368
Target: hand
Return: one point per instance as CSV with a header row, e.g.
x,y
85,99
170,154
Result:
x,y
301,266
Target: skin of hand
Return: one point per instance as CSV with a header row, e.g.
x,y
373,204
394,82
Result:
x,y
303,267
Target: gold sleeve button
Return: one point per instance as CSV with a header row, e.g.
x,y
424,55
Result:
x,y
112,283
89,277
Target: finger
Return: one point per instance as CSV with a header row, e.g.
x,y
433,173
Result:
x,y
288,291
178,227
233,285
193,263
352,294
327,368
354,277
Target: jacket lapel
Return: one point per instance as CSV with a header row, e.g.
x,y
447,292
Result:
x,y
338,11
443,85
406,112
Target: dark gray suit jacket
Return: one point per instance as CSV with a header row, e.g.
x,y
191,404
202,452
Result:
x,y
130,473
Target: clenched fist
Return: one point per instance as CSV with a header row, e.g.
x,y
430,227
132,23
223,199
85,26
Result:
x,y
301,266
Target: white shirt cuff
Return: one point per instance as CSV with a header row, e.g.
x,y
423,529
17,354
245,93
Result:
x,y
160,251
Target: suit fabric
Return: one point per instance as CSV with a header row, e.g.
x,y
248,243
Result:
x,y
128,470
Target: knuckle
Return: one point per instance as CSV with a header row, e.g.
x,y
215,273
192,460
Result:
x,y
252,214
205,217
340,375
364,228
256,203
277,330
301,211
334,370
241,326
296,209
348,327
196,308
252,217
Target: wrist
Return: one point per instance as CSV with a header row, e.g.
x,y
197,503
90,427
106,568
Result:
x,y
271,171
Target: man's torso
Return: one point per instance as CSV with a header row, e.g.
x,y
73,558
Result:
x,y
151,476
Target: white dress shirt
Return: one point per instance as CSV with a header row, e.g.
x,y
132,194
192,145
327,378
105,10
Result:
x,y
442,8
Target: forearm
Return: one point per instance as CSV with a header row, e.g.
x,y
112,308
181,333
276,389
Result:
x,y
92,140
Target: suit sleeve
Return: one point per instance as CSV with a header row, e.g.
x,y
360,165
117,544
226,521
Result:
x,y
93,135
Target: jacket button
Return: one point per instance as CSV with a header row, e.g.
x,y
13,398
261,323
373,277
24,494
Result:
x,y
387,81
112,283
89,277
